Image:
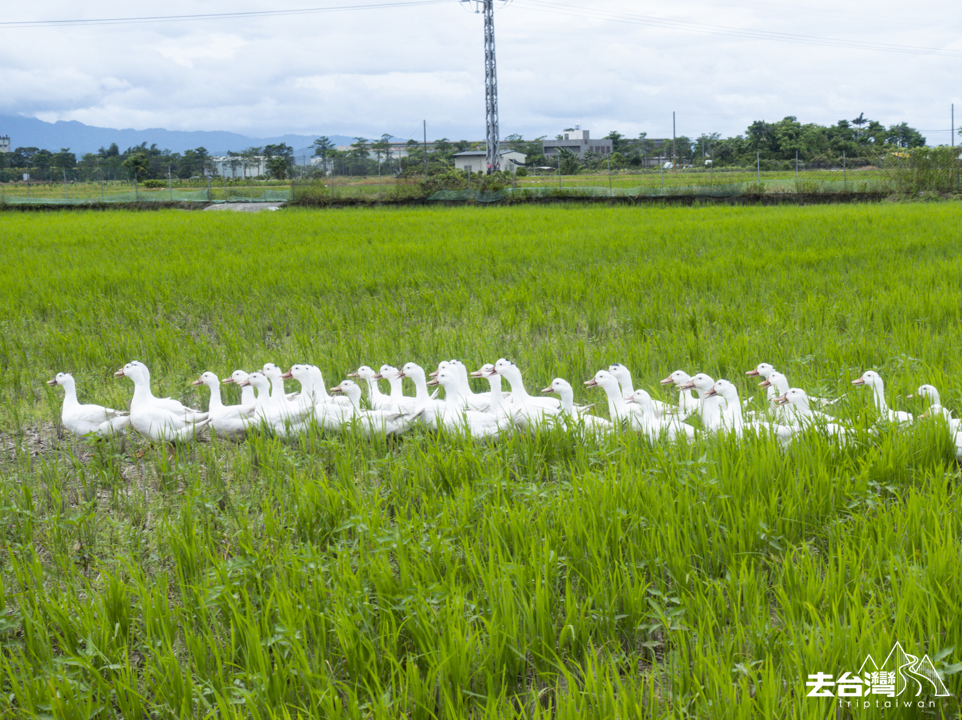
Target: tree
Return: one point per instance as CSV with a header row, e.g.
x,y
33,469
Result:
x,y
277,167
570,165
619,143
137,164
903,136
323,147
382,147
360,148
249,158
858,123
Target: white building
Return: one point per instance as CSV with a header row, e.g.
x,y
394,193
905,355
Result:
x,y
5,143
577,141
476,160
239,167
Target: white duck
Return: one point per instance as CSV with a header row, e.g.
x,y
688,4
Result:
x,y
499,407
328,413
401,401
373,422
593,424
285,404
379,401
623,376
238,377
617,409
805,417
873,380
228,421
688,404
159,419
283,421
711,404
87,420
455,417
656,427
427,407
320,390
475,401
764,371
732,421
525,409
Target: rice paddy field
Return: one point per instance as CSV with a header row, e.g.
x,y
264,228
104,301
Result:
x,y
540,576
644,182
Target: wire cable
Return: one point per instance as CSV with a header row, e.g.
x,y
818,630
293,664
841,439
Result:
x,y
212,16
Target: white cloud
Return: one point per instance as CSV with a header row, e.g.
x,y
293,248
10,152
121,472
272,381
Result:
x,y
606,65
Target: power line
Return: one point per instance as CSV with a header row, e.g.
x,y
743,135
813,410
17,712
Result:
x,y
711,29
213,16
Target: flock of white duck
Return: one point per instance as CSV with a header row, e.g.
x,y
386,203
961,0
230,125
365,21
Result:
x,y
266,404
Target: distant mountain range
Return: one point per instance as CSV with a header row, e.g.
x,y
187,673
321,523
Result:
x,y
80,138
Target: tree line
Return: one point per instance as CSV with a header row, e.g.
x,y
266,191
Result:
x,y
137,162
773,143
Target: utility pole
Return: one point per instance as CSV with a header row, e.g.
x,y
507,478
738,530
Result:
x,y
492,140
425,149
672,137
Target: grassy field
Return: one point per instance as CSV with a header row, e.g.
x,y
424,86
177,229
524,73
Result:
x,y
652,180
540,576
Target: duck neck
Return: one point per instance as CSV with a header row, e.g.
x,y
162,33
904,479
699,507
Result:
x,y
497,401
878,392
69,394
374,392
354,395
518,390
142,393
215,400
567,401
616,403
453,397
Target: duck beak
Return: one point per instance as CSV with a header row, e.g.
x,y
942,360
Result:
x,y
287,375
120,373
336,389
686,386
227,381
591,383
711,393
379,376
764,383
52,382
401,374
434,374
668,381
197,382
433,381
781,399
860,381
752,373
631,399
546,391
355,376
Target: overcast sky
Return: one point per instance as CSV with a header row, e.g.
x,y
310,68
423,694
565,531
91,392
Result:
x,y
610,65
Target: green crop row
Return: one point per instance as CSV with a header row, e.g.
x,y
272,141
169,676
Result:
x,y
539,576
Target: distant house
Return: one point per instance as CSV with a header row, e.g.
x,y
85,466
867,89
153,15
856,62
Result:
x,y
576,141
476,160
4,143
